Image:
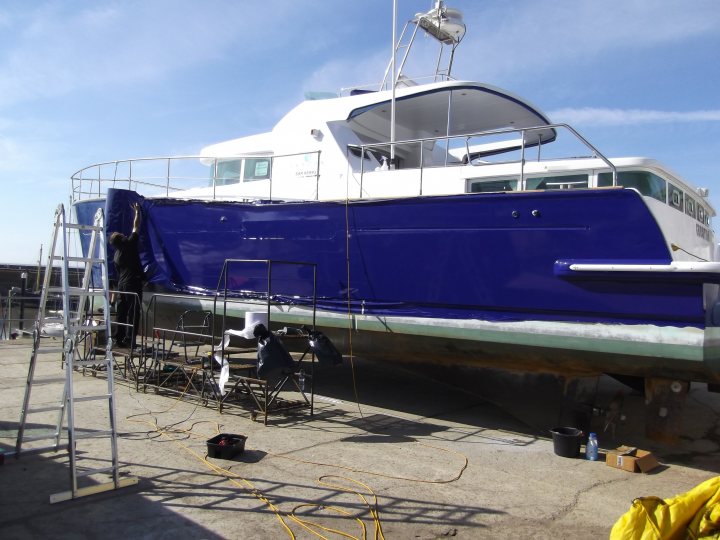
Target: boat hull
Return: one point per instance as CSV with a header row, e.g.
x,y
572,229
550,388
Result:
x,y
567,349
453,278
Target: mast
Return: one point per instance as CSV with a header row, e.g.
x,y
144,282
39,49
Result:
x,y
442,24
394,85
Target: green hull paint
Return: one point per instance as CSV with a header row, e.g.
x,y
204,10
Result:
x,y
686,353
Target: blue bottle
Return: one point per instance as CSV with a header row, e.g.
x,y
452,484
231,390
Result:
x,y
591,448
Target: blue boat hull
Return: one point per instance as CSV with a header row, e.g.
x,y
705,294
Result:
x,y
463,257
491,258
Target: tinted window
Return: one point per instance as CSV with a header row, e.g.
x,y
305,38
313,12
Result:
x,y
226,172
676,197
646,183
689,206
567,181
490,186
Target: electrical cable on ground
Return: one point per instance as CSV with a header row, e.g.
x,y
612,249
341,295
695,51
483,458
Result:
x,y
308,525
311,526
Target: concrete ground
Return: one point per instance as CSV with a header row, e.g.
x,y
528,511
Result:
x,y
417,457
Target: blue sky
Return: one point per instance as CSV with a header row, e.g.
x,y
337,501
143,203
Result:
x,y
89,81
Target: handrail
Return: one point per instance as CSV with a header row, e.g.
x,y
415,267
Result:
x,y
123,173
365,148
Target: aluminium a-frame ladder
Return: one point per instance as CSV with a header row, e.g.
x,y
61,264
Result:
x,y
78,325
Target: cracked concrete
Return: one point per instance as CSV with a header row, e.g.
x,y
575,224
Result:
x,y
443,462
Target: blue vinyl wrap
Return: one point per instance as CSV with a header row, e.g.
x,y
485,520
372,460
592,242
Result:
x,y
462,256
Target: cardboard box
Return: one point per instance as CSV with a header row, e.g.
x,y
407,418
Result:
x,y
631,459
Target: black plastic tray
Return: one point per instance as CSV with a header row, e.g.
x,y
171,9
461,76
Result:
x,y
226,445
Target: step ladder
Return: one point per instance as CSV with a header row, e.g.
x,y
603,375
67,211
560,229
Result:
x,y
81,332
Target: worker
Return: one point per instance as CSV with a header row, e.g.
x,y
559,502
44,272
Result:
x,y
130,283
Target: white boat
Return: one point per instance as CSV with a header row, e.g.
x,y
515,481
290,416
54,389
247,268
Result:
x,y
450,221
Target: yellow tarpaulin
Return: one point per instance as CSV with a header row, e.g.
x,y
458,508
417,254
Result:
x,y
693,515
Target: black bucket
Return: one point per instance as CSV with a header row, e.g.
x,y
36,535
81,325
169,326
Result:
x,y
566,441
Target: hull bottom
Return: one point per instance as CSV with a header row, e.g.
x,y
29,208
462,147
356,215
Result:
x,y
568,349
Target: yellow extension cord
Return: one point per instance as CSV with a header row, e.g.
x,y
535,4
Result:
x,y
310,526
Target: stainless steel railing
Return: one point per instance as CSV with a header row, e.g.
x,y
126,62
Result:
x,y
526,134
164,176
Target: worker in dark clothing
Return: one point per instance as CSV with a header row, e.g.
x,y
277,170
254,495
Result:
x,y
130,283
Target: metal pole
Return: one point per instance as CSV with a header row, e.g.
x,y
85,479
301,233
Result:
x,y
392,102
522,159
39,269
23,288
317,178
447,126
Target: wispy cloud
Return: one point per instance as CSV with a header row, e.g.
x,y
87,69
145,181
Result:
x,y
524,38
55,49
599,116
528,36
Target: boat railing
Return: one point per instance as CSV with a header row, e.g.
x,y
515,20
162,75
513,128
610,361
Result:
x,y
204,175
459,151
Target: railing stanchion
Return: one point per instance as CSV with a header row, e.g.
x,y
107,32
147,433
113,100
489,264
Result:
x,y
317,178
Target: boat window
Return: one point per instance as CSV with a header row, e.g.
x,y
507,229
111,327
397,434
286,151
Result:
x,y
646,183
357,152
567,181
379,154
227,172
256,169
689,206
701,215
676,197
491,186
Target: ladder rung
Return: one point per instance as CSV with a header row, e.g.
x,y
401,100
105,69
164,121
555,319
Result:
x,y
80,227
92,434
78,259
45,409
86,259
40,437
78,291
40,450
86,363
43,350
85,318
91,398
86,328
80,474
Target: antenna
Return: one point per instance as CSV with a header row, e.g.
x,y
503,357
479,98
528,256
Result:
x,y
443,24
